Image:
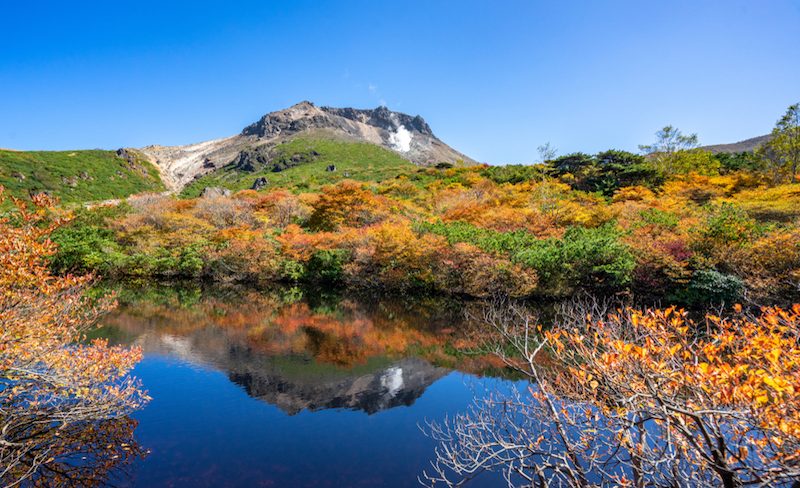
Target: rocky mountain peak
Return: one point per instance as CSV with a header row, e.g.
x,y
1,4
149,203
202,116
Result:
x,y
306,115
408,135
383,118
298,117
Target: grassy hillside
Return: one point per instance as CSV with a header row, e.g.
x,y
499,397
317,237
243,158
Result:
x,y
76,176
353,160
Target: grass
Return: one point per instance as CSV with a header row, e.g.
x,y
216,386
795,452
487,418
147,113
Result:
x,y
76,176
353,160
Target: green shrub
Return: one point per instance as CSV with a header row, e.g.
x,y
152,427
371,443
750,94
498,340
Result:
x,y
189,260
741,161
728,224
291,270
86,244
326,266
84,249
183,262
583,258
486,239
593,258
659,218
710,287
512,173
694,161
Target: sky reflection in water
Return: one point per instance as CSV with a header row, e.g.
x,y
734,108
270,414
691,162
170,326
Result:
x,y
254,389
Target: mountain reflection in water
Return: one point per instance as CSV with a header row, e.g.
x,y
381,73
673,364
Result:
x,y
311,357
296,354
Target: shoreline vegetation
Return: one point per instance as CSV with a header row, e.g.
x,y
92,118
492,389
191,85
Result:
x,y
521,231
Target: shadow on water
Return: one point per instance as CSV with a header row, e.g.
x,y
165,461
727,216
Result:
x,y
293,387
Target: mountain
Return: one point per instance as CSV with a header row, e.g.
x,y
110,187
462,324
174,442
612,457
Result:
x,y
408,138
746,145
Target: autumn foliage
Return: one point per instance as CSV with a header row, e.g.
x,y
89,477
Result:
x,y
605,223
637,398
56,392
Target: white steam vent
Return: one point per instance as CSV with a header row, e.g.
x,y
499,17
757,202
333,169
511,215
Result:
x,y
401,139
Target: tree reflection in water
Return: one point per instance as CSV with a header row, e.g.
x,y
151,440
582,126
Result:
x,y
308,353
83,454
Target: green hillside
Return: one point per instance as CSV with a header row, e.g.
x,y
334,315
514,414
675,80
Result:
x,y
76,176
303,162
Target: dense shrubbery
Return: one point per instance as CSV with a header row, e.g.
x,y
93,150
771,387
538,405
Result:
x,y
679,225
513,173
584,258
605,172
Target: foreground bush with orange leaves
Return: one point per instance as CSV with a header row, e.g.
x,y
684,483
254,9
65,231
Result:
x,y
637,398
57,395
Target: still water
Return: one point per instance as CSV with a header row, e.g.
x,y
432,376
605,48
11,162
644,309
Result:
x,y
290,388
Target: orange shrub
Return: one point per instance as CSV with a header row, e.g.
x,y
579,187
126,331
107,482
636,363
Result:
x,y
466,269
243,254
391,255
347,203
771,265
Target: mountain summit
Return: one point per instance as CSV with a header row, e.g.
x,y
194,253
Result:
x,y
409,136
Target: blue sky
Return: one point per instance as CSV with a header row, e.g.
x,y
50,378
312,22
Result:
x,y
495,79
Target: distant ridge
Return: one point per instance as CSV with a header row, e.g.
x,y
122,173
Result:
x,y
747,145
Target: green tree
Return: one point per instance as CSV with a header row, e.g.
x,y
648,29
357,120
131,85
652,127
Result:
x,y
618,169
670,142
740,161
782,152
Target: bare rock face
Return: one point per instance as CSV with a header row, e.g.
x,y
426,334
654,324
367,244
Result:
x,y
410,136
383,118
251,159
294,119
305,115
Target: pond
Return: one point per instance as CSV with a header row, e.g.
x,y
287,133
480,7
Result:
x,y
290,388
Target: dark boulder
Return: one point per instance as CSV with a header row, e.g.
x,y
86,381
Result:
x,y
259,183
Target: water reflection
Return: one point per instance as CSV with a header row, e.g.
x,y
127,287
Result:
x,y
281,388
398,384
76,454
305,352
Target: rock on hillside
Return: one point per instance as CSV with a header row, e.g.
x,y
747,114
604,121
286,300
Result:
x,y
409,136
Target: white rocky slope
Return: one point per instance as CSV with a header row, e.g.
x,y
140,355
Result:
x,y
409,136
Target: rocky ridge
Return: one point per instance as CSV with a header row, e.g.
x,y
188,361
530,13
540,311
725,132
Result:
x,y
409,136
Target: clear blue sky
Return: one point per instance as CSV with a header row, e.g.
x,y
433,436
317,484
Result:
x,y
494,79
